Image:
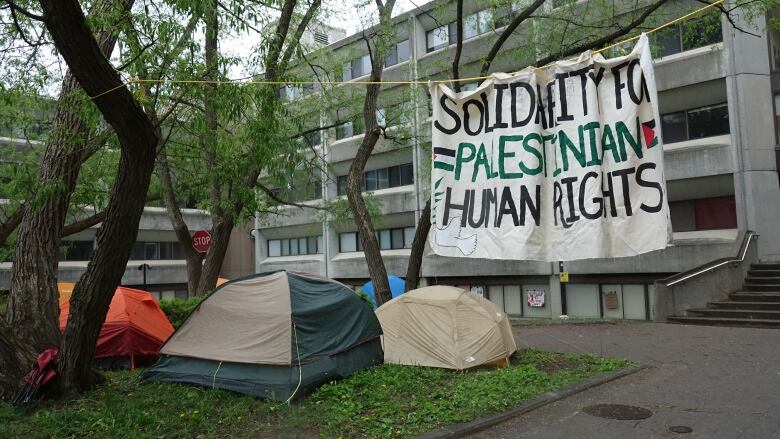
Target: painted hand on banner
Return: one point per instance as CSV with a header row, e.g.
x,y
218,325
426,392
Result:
x,y
449,236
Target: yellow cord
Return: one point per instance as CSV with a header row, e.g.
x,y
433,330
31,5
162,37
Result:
x,y
417,82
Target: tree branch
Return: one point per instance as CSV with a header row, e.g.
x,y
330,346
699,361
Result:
x,y
519,18
603,40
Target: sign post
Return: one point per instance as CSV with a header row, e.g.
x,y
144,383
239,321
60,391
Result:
x,y
201,241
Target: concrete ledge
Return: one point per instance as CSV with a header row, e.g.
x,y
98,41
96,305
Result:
x,y
464,428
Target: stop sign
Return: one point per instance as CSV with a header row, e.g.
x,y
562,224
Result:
x,y
201,241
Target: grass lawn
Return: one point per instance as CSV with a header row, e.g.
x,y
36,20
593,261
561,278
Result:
x,y
385,401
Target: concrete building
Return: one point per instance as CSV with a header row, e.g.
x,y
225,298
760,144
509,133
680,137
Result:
x,y
156,263
717,92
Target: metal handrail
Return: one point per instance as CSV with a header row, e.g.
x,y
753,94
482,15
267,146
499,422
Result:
x,y
686,275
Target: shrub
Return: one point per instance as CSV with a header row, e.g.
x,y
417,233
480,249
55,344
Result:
x,y
178,310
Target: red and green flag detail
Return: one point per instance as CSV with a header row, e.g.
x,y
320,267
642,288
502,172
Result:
x,y
648,130
444,159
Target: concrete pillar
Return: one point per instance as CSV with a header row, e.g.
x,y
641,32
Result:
x,y
751,114
261,247
554,295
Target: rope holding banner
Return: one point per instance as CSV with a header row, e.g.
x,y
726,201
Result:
x,y
137,80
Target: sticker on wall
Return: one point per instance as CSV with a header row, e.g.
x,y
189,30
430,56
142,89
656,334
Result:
x,y
611,300
535,298
480,291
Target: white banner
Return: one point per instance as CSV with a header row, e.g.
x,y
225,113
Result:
x,y
551,164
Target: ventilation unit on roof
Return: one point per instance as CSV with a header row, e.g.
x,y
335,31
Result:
x,y
321,38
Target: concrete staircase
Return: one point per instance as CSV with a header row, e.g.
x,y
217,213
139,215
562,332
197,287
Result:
x,y
757,305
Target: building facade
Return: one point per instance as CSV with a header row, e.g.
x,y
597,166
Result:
x,y
717,92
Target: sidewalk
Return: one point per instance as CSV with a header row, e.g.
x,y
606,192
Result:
x,y
721,382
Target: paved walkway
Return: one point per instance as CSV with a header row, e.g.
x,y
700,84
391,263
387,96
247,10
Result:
x,y
721,382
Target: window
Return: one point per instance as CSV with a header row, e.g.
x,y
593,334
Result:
x,y
349,242
349,129
291,92
307,245
440,37
690,34
313,139
696,123
398,53
341,185
389,239
777,118
152,251
357,68
394,176
77,250
704,214
302,192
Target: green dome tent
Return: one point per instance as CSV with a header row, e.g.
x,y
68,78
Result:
x,y
272,335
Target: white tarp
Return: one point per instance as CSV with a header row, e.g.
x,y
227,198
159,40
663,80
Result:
x,y
552,164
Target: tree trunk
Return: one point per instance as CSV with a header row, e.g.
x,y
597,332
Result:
x,y
418,248
193,258
220,239
33,308
365,227
16,358
138,139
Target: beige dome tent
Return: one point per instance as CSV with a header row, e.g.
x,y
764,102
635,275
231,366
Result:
x,y
444,326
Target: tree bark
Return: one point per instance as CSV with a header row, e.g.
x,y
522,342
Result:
x,y
418,248
114,241
33,308
220,239
193,259
365,227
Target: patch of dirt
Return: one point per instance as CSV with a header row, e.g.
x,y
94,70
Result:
x,y
549,365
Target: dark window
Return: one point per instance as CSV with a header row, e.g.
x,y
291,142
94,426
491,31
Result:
x,y
696,123
397,238
317,190
293,246
674,127
381,179
392,57
708,121
344,130
691,34
77,250
369,181
407,174
341,185
394,176
314,138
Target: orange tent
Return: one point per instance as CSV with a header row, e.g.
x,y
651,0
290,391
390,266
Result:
x,y
135,325
66,290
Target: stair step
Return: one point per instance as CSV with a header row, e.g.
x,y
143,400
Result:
x,y
764,273
765,266
755,296
730,304
692,320
734,313
762,287
762,280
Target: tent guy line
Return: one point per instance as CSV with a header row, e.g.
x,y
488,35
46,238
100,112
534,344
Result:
x,y
136,80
